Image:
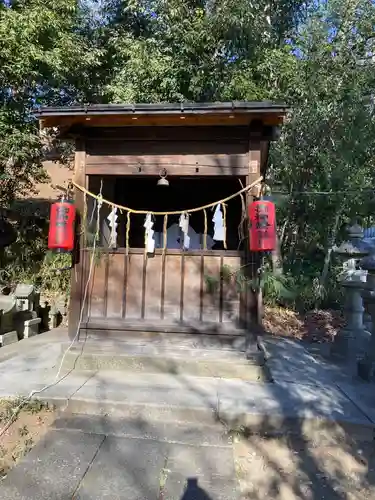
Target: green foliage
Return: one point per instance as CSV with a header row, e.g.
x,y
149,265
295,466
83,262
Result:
x,y
54,275
45,58
327,145
317,56
301,292
28,260
193,50
277,288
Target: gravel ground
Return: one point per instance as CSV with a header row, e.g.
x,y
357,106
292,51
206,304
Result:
x,y
291,468
31,424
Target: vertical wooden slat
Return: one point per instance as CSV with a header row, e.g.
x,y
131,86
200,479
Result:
x,y
201,291
115,285
172,291
182,287
77,274
106,275
143,286
134,289
221,290
191,288
230,293
211,295
86,259
125,285
96,293
88,255
153,287
126,267
162,293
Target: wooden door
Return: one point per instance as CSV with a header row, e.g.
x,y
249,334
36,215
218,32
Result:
x,y
177,290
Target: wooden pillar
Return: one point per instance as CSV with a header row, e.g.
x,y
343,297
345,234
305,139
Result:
x,y
77,275
254,311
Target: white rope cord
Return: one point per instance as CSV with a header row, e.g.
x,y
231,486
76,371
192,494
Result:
x,y
174,212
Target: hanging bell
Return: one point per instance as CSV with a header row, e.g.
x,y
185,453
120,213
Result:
x,y
163,181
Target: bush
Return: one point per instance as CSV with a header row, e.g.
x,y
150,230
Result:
x,y
28,260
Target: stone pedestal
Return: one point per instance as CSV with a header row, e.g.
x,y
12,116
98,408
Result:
x,y
52,318
31,327
366,366
351,341
367,322
7,311
8,338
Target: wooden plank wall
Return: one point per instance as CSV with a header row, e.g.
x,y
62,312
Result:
x,y
207,151
178,288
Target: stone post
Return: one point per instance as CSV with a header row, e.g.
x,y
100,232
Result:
x,y
367,321
52,317
350,342
366,366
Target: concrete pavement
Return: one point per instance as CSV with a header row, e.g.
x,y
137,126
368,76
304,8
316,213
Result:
x,y
142,435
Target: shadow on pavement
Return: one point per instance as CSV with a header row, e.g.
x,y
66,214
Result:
x,y
194,491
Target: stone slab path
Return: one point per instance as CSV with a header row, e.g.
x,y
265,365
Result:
x,y
82,465
147,436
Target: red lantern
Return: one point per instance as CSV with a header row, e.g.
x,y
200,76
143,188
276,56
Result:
x,y
262,232
62,226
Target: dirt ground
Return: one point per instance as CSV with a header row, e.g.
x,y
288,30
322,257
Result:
x,y
292,467
313,326
31,424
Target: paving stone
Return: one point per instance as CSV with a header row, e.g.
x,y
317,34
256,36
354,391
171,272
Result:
x,y
202,462
362,395
150,359
194,399
23,382
291,400
125,469
176,432
137,469
30,360
53,469
289,361
180,487
159,389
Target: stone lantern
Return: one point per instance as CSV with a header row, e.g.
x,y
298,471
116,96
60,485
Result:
x,y
26,297
350,341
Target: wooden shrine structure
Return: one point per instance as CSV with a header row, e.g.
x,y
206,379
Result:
x,y
165,159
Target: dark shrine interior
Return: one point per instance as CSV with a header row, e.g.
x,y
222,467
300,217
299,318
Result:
x,y
182,193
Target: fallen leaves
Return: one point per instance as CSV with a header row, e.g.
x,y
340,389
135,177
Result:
x,y
313,326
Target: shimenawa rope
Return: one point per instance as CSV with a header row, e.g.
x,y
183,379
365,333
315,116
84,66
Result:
x,y
174,212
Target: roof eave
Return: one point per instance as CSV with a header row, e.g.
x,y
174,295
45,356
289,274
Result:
x,y
163,109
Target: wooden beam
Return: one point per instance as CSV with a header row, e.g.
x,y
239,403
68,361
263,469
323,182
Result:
x,y
99,137
172,251
153,120
124,169
77,275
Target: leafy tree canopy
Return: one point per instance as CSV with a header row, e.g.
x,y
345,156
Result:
x,y
316,56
